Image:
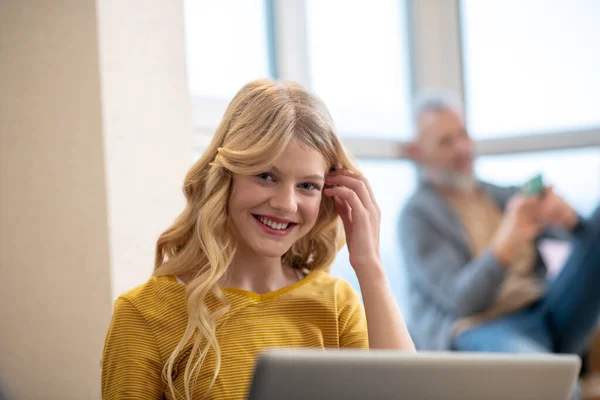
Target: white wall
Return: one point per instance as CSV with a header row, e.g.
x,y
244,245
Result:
x,y
95,138
147,128
55,285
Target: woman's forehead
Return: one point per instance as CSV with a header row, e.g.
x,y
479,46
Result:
x,y
299,159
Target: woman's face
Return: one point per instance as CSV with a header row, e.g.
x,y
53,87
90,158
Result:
x,y
272,210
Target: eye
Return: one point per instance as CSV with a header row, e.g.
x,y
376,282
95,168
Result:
x,y
308,186
265,176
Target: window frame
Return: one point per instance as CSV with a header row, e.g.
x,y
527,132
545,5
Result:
x,y
435,47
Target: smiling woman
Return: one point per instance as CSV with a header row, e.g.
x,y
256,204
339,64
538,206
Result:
x,y
272,211
243,268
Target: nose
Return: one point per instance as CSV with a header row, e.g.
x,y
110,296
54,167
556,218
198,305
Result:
x,y
284,200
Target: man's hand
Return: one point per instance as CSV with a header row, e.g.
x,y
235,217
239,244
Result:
x,y
521,222
556,211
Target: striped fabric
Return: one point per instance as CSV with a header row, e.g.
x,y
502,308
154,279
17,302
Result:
x,y
320,311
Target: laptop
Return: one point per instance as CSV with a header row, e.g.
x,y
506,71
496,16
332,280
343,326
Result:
x,y
384,375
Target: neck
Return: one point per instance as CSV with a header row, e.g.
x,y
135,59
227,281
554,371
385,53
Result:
x,y
257,274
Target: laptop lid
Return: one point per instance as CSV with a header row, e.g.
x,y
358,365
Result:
x,y
379,375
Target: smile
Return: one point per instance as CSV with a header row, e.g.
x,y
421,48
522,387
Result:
x,y
274,226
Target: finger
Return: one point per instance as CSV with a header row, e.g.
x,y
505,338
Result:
x,y
519,201
344,212
531,200
371,193
567,216
536,217
350,196
530,204
550,205
548,191
343,209
551,208
347,172
354,183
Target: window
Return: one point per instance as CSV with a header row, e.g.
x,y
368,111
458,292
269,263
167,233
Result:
x,y
531,66
527,66
392,181
358,64
575,174
226,45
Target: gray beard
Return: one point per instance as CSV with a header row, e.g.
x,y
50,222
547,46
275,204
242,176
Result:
x,y
463,182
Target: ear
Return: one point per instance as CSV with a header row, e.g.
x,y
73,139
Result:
x,y
412,152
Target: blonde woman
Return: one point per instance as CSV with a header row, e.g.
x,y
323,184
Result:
x,y
244,267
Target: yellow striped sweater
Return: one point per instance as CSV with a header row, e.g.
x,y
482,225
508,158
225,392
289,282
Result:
x,y
319,311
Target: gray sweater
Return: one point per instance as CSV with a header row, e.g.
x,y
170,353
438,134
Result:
x,y
445,282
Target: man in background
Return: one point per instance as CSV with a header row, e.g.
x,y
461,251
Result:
x,y
476,278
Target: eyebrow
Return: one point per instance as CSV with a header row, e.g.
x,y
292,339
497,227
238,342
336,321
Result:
x,y
315,177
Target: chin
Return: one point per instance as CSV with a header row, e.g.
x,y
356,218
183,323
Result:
x,y
270,251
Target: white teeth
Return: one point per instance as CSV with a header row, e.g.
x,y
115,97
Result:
x,y
272,224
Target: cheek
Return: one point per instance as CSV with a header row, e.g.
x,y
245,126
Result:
x,y
245,196
235,198
234,205
451,154
310,210
440,156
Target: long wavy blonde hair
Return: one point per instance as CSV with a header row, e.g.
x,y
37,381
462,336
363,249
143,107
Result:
x,y
259,123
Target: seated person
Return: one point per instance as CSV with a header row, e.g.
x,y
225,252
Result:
x,y
477,280
244,266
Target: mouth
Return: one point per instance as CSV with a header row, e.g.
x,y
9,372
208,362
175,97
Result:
x,y
463,164
274,226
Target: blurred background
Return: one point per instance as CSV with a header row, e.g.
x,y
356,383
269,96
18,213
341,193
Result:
x,y
105,104
525,69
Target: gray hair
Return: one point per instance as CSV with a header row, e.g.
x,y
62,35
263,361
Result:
x,y
436,101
